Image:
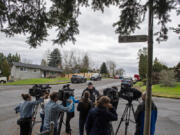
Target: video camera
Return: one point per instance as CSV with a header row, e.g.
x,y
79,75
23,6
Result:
x,y
38,90
113,94
129,93
65,92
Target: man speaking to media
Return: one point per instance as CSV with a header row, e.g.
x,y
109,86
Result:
x,y
94,94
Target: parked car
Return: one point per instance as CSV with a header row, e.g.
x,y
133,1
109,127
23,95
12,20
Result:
x,y
121,78
127,81
116,77
78,79
3,79
96,77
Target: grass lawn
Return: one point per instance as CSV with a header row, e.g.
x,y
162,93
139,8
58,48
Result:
x,y
39,81
157,90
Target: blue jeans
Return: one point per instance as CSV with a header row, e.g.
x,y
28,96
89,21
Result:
x,y
42,121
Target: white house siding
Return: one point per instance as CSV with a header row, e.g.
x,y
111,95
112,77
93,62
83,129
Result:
x,y
17,74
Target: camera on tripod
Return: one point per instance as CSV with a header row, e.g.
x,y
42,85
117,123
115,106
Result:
x,y
65,92
38,90
113,94
129,93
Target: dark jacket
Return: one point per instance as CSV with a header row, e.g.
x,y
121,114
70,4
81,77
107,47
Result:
x,y
93,94
98,121
84,107
139,117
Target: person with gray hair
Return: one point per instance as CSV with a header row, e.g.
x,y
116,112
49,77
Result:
x,y
140,114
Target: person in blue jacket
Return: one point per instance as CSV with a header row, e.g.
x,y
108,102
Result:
x,y
52,112
99,118
70,114
26,113
139,117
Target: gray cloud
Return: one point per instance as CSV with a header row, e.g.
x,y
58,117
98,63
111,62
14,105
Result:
x,y
97,37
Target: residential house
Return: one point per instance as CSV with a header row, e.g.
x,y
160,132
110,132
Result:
x,y
26,71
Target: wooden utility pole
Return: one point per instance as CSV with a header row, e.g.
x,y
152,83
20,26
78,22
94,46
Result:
x,y
148,101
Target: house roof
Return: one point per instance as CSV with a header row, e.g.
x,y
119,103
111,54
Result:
x,y
44,68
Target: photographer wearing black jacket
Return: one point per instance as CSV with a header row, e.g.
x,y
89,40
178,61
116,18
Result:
x,y
140,114
94,94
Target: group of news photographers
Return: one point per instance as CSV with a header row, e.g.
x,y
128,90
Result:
x,y
95,113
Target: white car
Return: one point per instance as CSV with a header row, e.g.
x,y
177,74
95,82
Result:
x,y
3,79
96,77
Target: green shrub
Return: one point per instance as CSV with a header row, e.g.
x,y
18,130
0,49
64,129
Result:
x,y
167,78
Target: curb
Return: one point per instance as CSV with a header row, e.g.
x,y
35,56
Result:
x,y
33,84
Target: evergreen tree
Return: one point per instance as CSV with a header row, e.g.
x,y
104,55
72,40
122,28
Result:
x,y
55,59
5,68
13,58
142,63
103,69
158,66
2,58
32,17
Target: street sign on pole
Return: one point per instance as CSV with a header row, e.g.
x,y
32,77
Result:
x,y
148,102
134,38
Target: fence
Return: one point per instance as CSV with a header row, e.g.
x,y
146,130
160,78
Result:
x,y
87,75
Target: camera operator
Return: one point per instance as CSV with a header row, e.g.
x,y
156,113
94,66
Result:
x,y
99,118
94,94
70,114
26,112
140,114
52,111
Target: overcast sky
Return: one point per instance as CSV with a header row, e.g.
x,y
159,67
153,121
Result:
x,y
97,37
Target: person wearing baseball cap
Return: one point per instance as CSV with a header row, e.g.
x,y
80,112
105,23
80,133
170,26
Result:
x,y
94,94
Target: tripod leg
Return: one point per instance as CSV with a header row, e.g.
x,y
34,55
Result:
x,y
127,119
34,115
122,119
60,123
34,118
133,112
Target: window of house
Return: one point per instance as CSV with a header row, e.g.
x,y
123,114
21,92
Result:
x,y
35,70
52,73
23,69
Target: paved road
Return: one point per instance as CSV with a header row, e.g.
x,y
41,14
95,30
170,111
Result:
x,y
168,110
